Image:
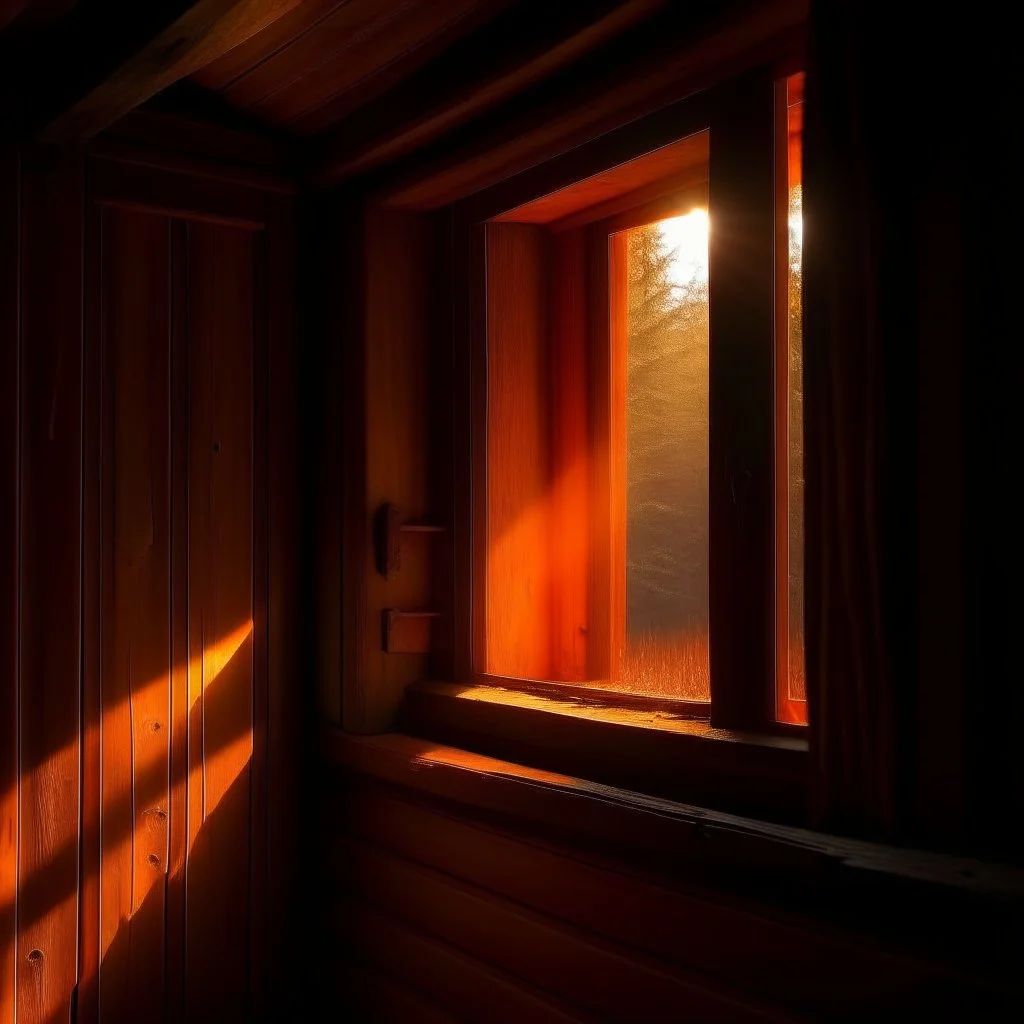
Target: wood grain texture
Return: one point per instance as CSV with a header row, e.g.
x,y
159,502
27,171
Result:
x,y
265,44
518,481
741,496
125,183
629,825
286,708
50,622
792,923
379,997
571,539
673,167
359,39
222,647
93,866
592,102
797,958
10,289
178,709
514,51
458,982
749,947
577,968
135,567
395,329
126,67
650,750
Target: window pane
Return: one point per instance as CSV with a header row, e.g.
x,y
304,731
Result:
x,y
792,698
666,637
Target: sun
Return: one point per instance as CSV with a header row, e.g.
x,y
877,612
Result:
x,y
686,239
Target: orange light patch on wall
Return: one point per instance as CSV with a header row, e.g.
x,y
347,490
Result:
x,y
790,682
552,549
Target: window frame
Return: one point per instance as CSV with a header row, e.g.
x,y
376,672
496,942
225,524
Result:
x,y
761,758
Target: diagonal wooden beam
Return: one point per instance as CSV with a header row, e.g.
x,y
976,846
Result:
x,y
513,52
108,57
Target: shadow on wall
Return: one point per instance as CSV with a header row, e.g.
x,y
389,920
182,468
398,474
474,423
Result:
x,y
172,895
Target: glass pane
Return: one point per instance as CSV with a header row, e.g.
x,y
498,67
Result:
x,y
666,649
792,704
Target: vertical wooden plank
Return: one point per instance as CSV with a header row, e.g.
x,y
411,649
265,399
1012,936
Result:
x,y
741,550
178,806
92,595
617,263
350,275
287,698
258,779
518,475
50,586
136,610
10,285
608,308
331,276
470,453
397,443
569,401
220,298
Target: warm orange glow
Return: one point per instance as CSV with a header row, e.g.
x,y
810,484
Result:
x,y
569,472
675,665
224,764
666,425
791,700
204,672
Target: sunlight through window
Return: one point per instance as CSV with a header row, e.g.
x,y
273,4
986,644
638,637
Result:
x,y
667,431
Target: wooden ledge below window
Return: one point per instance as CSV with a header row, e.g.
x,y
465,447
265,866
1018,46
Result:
x,y
649,751
649,828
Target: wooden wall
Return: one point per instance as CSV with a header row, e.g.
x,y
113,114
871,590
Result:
x,y
148,687
454,901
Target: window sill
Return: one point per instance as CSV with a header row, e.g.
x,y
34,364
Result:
x,y
658,830
647,751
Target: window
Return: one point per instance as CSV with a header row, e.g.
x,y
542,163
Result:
x,y
627,598
791,697
597,432
643,323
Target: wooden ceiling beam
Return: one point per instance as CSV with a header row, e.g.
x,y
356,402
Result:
x,y
658,65
516,50
106,58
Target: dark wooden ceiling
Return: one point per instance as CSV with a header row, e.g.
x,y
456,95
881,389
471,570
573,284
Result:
x,y
353,85
326,58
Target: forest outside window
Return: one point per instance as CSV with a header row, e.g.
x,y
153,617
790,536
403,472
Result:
x,y
638,523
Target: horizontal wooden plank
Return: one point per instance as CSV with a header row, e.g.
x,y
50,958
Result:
x,y
511,54
258,49
115,59
134,186
196,167
457,982
379,998
594,100
161,125
356,40
795,963
612,983
679,165
622,820
651,751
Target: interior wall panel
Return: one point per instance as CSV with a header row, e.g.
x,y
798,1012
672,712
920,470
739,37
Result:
x,y
135,575
49,584
10,222
135,568
221,647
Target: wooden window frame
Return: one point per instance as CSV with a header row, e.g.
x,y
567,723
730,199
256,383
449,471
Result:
x,y
743,758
